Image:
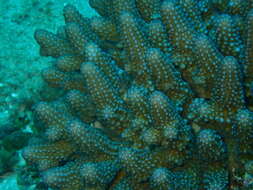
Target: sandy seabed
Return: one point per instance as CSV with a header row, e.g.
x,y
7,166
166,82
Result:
x,y
20,62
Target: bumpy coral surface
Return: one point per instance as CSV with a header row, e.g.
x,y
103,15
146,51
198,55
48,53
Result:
x,y
158,96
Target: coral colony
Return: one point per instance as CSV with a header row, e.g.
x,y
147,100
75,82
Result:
x,y
158,96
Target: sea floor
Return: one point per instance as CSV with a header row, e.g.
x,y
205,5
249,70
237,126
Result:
x,y
20,62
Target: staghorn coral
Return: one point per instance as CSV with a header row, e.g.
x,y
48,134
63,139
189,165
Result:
x,y
158,96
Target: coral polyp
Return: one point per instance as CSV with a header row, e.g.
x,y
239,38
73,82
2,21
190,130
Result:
x,y
157,96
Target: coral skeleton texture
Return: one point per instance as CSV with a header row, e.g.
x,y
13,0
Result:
x,y
158,95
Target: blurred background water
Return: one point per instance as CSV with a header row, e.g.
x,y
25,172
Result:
x,y
20,81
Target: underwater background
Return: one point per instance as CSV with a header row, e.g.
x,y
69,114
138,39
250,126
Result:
x,y
20,79
126,95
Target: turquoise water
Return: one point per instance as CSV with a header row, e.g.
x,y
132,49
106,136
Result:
x,y
20,80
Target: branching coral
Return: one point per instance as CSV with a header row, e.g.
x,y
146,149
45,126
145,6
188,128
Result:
x,y
158,96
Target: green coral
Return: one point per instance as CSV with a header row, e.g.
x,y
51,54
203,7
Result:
x,y
157,96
